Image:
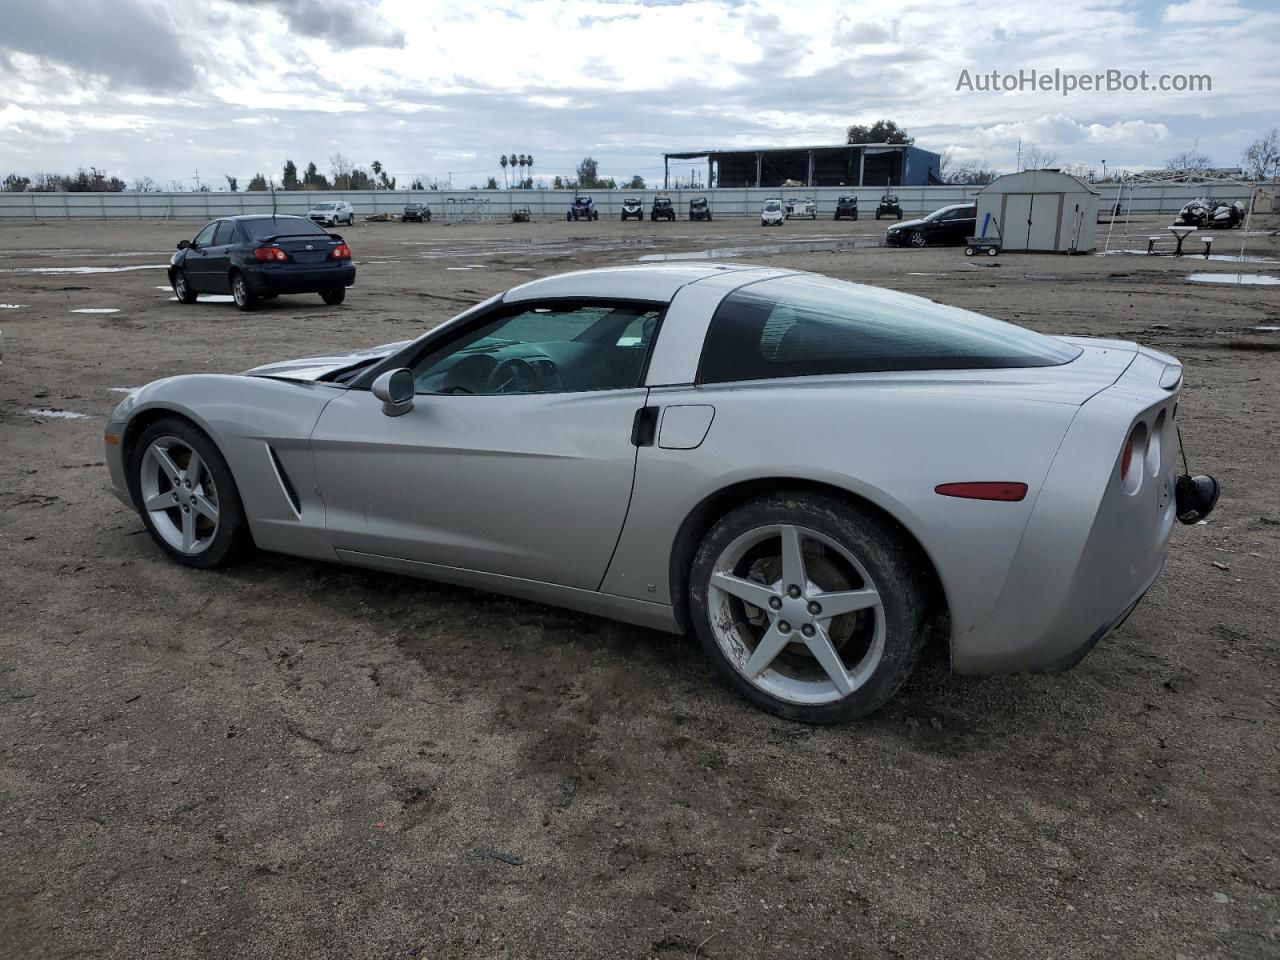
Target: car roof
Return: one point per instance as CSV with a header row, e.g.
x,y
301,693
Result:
x,y
264,216
649,281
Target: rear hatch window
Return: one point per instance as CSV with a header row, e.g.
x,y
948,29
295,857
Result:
x,y
806,326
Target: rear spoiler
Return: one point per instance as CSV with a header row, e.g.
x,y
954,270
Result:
x,y
287,236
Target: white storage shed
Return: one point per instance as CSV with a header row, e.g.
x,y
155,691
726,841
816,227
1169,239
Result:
x,y
1040,210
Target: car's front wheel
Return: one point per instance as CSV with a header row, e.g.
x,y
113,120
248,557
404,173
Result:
x,y
186,495
809,607
182,288
240,292
335,296
918,239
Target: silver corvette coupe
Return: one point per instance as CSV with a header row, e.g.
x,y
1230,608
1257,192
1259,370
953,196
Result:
x,y
807,473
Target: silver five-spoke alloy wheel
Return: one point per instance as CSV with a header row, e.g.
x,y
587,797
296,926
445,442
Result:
x,y
796,614
240,290
179,495
180,285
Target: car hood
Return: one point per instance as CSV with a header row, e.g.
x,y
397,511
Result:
x,y
316,368
904,224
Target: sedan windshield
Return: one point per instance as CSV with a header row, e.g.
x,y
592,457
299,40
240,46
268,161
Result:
x,y
261,228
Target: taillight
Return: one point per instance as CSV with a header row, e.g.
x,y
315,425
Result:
x,y
267,254
984,490
1132,458
341,252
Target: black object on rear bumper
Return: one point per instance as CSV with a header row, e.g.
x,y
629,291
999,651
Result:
x,y
1195,497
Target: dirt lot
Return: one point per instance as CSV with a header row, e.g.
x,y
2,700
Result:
x,y
291,759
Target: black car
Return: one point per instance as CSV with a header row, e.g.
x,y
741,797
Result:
x,y
699,209
258,257
889,206
662,209
416,213
948,226
846,207
631,207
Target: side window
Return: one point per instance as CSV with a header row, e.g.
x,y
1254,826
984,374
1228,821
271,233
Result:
x,y
225,233
205,237
546,348
797,327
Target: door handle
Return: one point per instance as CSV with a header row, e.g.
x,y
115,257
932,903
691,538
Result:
x,y
644,428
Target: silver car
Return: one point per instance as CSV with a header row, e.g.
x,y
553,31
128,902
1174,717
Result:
x,y
808,473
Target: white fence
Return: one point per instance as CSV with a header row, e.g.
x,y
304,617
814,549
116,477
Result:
x,y
464,205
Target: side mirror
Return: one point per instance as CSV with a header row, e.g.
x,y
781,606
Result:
x,y
395,389
183,244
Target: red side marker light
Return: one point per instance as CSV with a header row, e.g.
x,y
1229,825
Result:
x,y
1002,490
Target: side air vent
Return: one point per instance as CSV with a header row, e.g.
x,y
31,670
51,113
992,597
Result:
x,y
285,482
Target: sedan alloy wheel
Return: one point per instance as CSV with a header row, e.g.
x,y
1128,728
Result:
x,y
179,495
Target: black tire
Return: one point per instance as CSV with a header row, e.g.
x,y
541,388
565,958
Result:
x,y
245,298
335,296
899,214
182,288
855,214
709,218
893,565
233,539
877,214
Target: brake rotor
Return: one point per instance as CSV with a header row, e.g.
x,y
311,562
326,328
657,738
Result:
x,y
822,572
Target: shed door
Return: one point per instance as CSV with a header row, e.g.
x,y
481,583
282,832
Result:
x,y
1017,221
1046,215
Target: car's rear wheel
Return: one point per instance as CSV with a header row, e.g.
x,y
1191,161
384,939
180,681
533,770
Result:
x,y
334,296
182,288
244,297
809,607
186,495
918,239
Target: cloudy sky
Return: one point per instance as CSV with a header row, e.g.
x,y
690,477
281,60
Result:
x,y
163,89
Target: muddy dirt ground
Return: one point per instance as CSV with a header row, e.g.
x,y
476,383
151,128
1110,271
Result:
x,y
292,759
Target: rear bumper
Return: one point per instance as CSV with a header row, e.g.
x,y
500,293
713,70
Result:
x,y
298,278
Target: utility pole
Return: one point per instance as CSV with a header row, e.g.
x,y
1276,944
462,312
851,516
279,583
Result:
x,y
1019,167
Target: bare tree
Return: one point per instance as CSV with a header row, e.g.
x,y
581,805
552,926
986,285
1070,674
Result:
x,y
1261,159
144,185
1036,158
341,169
1190,161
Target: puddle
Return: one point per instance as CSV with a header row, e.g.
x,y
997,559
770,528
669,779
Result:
x,y
1189,255
83,270
121,389
56,414
12,306
762,249
96,310
207,297
1247,279
457,268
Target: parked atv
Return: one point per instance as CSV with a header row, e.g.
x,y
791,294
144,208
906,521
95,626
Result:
x,y
662,209
846,207
582,208
632,207
699,209
889,206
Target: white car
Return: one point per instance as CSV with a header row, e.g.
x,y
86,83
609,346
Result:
x,y
772,214
802,208
332,212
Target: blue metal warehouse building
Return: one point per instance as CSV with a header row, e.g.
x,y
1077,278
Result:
x,y
839,165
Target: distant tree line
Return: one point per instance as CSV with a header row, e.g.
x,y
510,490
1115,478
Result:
x,y
92,180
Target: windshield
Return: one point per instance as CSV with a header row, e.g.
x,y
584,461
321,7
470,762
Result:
x,y
260,228
662,202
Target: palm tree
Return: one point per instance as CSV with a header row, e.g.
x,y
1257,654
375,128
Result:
x,y
524,162
528,162
376,167
503,160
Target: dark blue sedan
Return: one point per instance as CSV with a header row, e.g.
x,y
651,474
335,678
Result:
x,y
259,257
